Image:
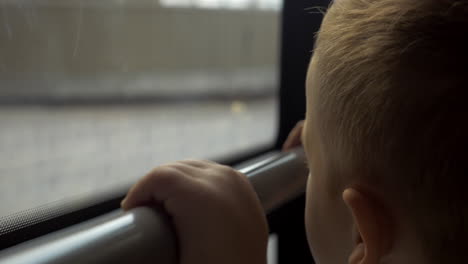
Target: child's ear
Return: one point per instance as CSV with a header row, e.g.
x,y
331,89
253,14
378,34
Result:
x,y
373,227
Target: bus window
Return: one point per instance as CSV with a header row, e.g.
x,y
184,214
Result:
x,y
93,94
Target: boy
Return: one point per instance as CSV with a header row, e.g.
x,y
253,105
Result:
x,y
385,139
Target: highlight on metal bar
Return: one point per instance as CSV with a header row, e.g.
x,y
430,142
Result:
x,y
144,234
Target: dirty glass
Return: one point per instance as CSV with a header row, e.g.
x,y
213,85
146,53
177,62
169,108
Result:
x,y
95,93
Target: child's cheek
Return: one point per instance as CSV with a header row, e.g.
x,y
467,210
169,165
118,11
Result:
x,y
311,220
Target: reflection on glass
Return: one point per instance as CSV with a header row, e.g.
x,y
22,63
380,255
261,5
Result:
x,y
224,4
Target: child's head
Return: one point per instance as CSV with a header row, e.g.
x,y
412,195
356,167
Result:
x,y
387,119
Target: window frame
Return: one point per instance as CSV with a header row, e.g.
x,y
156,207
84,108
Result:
x,y
298,27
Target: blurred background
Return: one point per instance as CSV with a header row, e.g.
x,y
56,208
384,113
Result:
x,y
95,93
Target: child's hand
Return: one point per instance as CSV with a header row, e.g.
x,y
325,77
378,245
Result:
x,y
216,213
294,137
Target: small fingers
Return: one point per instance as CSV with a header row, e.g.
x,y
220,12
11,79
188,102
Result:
x,y
294,137
164,182
198,163
156,187
169,181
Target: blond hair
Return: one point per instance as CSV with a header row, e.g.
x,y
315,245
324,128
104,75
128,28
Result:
x,y
393,99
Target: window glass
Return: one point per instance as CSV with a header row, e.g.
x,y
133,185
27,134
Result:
x,y
95,93
224,4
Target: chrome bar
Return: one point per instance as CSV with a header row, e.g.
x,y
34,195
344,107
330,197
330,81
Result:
x,y
143,235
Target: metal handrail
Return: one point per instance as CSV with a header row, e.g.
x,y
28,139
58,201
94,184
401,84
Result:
x,y
143,235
